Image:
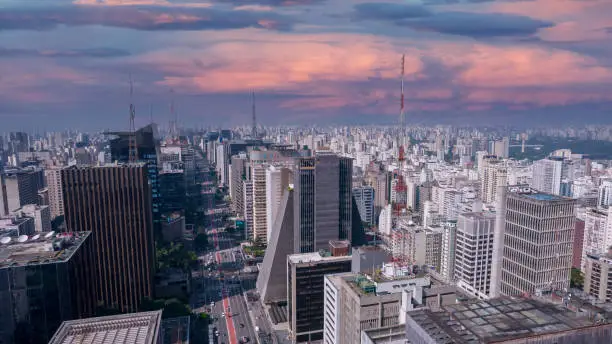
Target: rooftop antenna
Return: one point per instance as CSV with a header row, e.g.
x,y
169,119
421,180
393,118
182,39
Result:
x,y
402,118
151,113
254,124
132,146
173,117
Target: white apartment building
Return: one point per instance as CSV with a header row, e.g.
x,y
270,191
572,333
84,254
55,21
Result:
x,y
473,253
604,198
247,194
494,175
54,185
597,233
260,221
547,175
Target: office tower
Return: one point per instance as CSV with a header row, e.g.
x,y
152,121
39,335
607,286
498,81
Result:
x,y
18,188
598,275
322,201
605,193
597,235
538,238
222,164
494,175
473,253
172,190
148,152
134,328
18,142
447,250
54,184
45,280
364,198
260,220
305,292
418,246
501,148
114,203
239,173
277,183
247,201
41,215
547,175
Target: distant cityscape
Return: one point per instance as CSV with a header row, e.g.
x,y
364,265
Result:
x,y
334,235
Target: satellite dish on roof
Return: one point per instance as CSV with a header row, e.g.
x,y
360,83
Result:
x,y
22,238
49,235
5,240
36,237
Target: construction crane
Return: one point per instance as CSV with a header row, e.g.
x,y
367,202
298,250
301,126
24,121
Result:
x,y
132,145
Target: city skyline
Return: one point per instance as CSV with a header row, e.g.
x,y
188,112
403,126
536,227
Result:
x,y
66,63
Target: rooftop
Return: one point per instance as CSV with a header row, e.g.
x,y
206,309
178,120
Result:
x,y
528,192
45,248
314,257
499,319
134,328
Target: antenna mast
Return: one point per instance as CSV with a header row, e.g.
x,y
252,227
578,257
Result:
x,y
132,146
172,129
402,119
254,124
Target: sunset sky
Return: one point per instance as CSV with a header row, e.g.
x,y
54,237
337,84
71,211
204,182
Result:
x,y
66,63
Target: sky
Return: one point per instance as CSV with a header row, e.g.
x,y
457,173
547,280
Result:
x,y
68,63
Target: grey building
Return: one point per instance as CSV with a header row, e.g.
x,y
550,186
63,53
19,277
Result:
x,y
305,292
43,281
18,187
364,198
323,201
133,328
538,241
473,253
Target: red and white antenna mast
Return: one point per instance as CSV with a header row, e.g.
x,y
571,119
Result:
x,y
402,118
132,145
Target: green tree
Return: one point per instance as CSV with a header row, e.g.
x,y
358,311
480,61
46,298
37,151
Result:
x,y
171,307
201,241
577,279
176,256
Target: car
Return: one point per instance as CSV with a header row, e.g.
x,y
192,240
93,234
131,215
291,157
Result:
x,y
241,325
244,339
223,315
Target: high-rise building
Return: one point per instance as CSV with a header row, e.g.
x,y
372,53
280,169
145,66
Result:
x,y
494,175
45,280
260,213
247,201
364,197
18,188
239,172
147,142
538,238
114,203
172,190
41,215
54,185
598,275
322,202
473,253
277,184
547,175
305,292
597,234
605,193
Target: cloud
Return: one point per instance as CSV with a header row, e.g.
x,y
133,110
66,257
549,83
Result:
x,y
77,53
452,23
165,3
147,19
476,25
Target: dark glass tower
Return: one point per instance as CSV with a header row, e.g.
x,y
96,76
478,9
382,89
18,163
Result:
x,y
114,203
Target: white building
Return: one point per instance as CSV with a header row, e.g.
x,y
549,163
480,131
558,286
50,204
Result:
x,y
247,194
494,175
258,176
277,182
385,220
473,253
605,193
597,232
547,175
41,215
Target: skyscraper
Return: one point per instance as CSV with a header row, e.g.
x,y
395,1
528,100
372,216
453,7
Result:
x,y
322,204
537,245
494,175
364,198
114,203
54,184
547,175
277,183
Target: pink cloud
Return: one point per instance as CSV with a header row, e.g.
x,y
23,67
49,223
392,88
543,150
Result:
x,y
140,3
519,66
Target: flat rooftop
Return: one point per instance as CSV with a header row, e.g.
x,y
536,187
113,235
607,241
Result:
x,y
44,248
498,319
531,193
134,328
314,257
